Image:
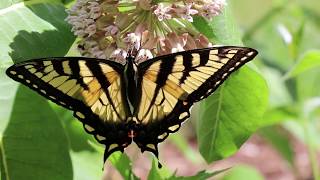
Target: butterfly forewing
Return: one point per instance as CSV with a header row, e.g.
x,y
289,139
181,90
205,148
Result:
x,y
90,87
178,81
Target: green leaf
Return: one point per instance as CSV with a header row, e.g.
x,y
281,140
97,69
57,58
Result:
x,y
123,164
221,30
35,33
8,90
204,27
34,144
78,138
309,60
243,172
8,3
231,115
87,165
234,112
154,173
225,29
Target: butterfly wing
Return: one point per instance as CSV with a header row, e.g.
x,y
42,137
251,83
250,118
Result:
x,y
90,87
171,84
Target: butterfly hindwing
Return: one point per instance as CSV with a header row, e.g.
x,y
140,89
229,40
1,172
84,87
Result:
x,y
90,87
176,81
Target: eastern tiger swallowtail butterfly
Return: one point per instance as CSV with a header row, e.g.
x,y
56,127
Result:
x,y
142,102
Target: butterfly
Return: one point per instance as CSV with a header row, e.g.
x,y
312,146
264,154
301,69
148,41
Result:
x,y
142,102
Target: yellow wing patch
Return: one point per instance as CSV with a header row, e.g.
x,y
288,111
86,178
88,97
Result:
x,y
187,73
76,80
163,103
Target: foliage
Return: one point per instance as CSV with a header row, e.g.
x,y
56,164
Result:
x,y
36,135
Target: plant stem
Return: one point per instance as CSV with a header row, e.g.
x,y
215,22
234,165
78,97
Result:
x,y
311,151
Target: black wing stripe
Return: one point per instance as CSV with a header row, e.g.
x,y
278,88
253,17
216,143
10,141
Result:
x,y
104,83
57,66
75,68
220,76
38,75
187,62
204,57
164,71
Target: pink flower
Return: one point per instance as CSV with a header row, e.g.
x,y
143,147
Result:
x,y
173,43
212,9
145,28
186,12
91,30
162,12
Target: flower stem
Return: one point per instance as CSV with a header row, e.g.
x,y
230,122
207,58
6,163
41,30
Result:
x,y
311,151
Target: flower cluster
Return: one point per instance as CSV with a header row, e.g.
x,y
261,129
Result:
x,y
144,28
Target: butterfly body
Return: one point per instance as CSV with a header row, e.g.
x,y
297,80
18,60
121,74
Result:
x,y
142,102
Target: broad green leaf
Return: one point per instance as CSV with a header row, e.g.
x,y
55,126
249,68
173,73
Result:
x,y
35,33
243,172
78,138
309,60
34,144
32,36
8,90
221,30
8,3
202,25
234,112
87,165
225,29
231,115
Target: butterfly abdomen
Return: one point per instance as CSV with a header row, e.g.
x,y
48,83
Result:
x,y
131,85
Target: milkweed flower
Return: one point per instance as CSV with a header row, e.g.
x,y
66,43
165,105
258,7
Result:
x,y
110,29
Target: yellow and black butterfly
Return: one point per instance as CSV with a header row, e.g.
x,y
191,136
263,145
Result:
x,y
142,102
